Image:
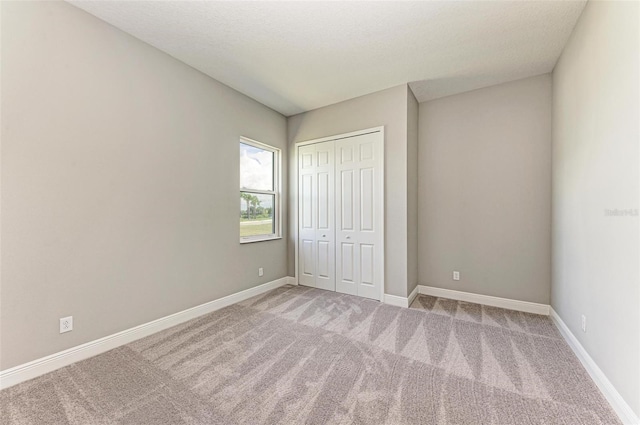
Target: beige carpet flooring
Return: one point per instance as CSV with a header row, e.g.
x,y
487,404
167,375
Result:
x,y
299,355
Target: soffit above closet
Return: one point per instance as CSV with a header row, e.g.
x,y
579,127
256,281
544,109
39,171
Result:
x,y
298,56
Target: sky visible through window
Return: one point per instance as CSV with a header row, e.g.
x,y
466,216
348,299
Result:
x,y
256,172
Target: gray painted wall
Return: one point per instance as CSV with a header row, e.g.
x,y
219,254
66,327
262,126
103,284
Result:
x,y
120,182
596,144
412,191
386,108
485,191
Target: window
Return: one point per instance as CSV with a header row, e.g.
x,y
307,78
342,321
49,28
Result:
x,y
259,194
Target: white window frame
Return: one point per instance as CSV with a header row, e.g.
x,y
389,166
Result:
x,y
277,225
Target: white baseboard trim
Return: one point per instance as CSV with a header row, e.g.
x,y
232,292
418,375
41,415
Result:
x,y
395,300
401,301
35,368
413,295
525,306
623,410
292,280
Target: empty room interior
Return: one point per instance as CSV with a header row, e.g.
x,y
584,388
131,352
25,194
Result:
x,y
420,212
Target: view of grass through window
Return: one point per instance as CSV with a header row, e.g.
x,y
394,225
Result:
x,y
256,215
257,195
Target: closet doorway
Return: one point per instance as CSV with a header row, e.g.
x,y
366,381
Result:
x,y
340,213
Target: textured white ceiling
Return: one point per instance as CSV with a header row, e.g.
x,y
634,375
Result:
x,y
297,56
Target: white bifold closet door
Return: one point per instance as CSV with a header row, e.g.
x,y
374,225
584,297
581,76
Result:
x,y
359,219
316,233
340,215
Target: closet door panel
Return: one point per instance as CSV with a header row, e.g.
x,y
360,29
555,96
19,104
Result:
x,y
359,215
325,229
307,216
347,205
316,211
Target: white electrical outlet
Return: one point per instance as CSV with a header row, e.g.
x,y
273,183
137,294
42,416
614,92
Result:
x,y
66,324
456,275
584,323
260,271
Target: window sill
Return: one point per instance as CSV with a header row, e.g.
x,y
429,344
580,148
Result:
x,y
260,239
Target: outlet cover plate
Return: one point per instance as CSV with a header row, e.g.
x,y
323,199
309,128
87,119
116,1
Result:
x,y
66,324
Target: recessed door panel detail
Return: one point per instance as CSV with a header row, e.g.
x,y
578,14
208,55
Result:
x,y
346,154
308,262
323,259
347,200
324,198
307,160
366,199
366,264
347,274
323,158
340,215
366,151
307,202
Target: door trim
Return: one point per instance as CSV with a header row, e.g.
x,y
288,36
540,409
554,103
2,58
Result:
x,y
296,183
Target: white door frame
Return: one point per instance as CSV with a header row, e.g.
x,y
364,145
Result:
x,y
296,185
